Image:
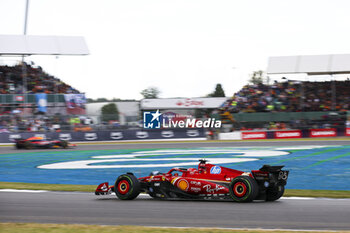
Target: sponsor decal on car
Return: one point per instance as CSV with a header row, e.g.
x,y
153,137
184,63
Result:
x,y
156,178
196,183
195,189
183,185
211,189
215,170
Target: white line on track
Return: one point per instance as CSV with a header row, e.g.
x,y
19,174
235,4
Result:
x,y
299,198
23,191
141,195
246,229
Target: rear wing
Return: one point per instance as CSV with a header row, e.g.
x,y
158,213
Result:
x,y
268,168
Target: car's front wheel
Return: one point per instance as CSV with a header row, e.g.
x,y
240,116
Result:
x,y
243,189
127,187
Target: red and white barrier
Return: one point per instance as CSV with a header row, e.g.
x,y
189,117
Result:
x,y
253,135
347,132
288,134
317,133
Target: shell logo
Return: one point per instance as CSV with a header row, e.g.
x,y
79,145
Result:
x,y
183,185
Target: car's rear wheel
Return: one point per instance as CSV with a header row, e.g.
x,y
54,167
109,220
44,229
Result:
x,y
28,145
275,193
64,144
127,187
243,189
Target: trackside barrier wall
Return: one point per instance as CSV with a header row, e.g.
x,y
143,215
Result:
x,y
317,133
116,135
281,134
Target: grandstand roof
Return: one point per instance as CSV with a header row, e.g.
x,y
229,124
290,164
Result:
x,y
310,64
42,45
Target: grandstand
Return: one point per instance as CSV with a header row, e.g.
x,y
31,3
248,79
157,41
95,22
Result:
x,y
37,81
288,104
30,98
289,96
18,108
284,105
292,104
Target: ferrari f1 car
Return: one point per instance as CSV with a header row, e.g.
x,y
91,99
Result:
x,y
41,143
207,182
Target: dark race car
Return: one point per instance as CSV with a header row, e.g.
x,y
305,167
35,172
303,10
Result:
x,y
207,182
41,143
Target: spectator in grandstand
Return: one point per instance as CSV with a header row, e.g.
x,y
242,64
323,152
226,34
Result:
x,y
38,81
290,96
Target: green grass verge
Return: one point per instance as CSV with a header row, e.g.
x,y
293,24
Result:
x,y
50,187
316,193
91,188
67,228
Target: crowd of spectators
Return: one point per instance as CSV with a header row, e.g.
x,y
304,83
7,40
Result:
x,y
36,80
290,96
17,123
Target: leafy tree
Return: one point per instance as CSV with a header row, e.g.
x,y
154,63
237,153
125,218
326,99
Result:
x,y
219,92
257,77
150,93
110,112
101,100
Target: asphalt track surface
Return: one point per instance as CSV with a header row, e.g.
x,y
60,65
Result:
x,y
86,208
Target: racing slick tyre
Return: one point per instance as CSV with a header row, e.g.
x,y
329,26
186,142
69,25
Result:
x,y
28,145
243,189
64,144
275,193
127,187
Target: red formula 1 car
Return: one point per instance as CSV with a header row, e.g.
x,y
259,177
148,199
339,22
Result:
x,y
207,182
41,143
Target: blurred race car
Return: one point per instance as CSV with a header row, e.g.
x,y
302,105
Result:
x,y
40,142
207,182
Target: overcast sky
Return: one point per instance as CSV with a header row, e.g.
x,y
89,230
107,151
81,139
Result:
x,y
183,47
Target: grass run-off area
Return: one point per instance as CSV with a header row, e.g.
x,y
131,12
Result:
x,y
53,228
91,188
